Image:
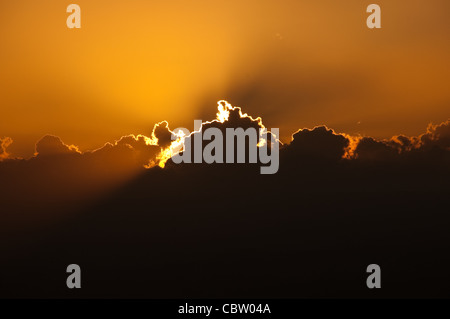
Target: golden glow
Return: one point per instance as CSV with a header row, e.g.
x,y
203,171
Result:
x,y
4,144
223,113
163,157
351,148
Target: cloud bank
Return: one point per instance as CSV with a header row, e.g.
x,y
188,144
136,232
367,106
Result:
x,y
319,143
137,171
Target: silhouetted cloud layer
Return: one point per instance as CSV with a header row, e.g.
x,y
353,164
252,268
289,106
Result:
x,y
319,143
51,145
435,140
56,163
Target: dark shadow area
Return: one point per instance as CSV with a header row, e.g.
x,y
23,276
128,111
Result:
x,y
194,230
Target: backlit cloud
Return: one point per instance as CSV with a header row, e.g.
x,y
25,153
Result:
x,y
319,143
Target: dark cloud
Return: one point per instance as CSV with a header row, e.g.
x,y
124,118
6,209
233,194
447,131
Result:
x,y
369,148
61,175
435,140
310,150
162,133
132,153
437,136
128,150
51,145
320,143
227,117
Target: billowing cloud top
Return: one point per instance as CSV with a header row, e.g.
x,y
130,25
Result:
x,y
60,174
321,143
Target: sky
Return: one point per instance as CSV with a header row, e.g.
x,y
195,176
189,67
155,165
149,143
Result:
x,y
86,121
294,63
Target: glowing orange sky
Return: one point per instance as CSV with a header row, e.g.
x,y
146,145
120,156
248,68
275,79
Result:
x,y
295,63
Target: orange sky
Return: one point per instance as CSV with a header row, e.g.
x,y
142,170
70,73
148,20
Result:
x,y
295,63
